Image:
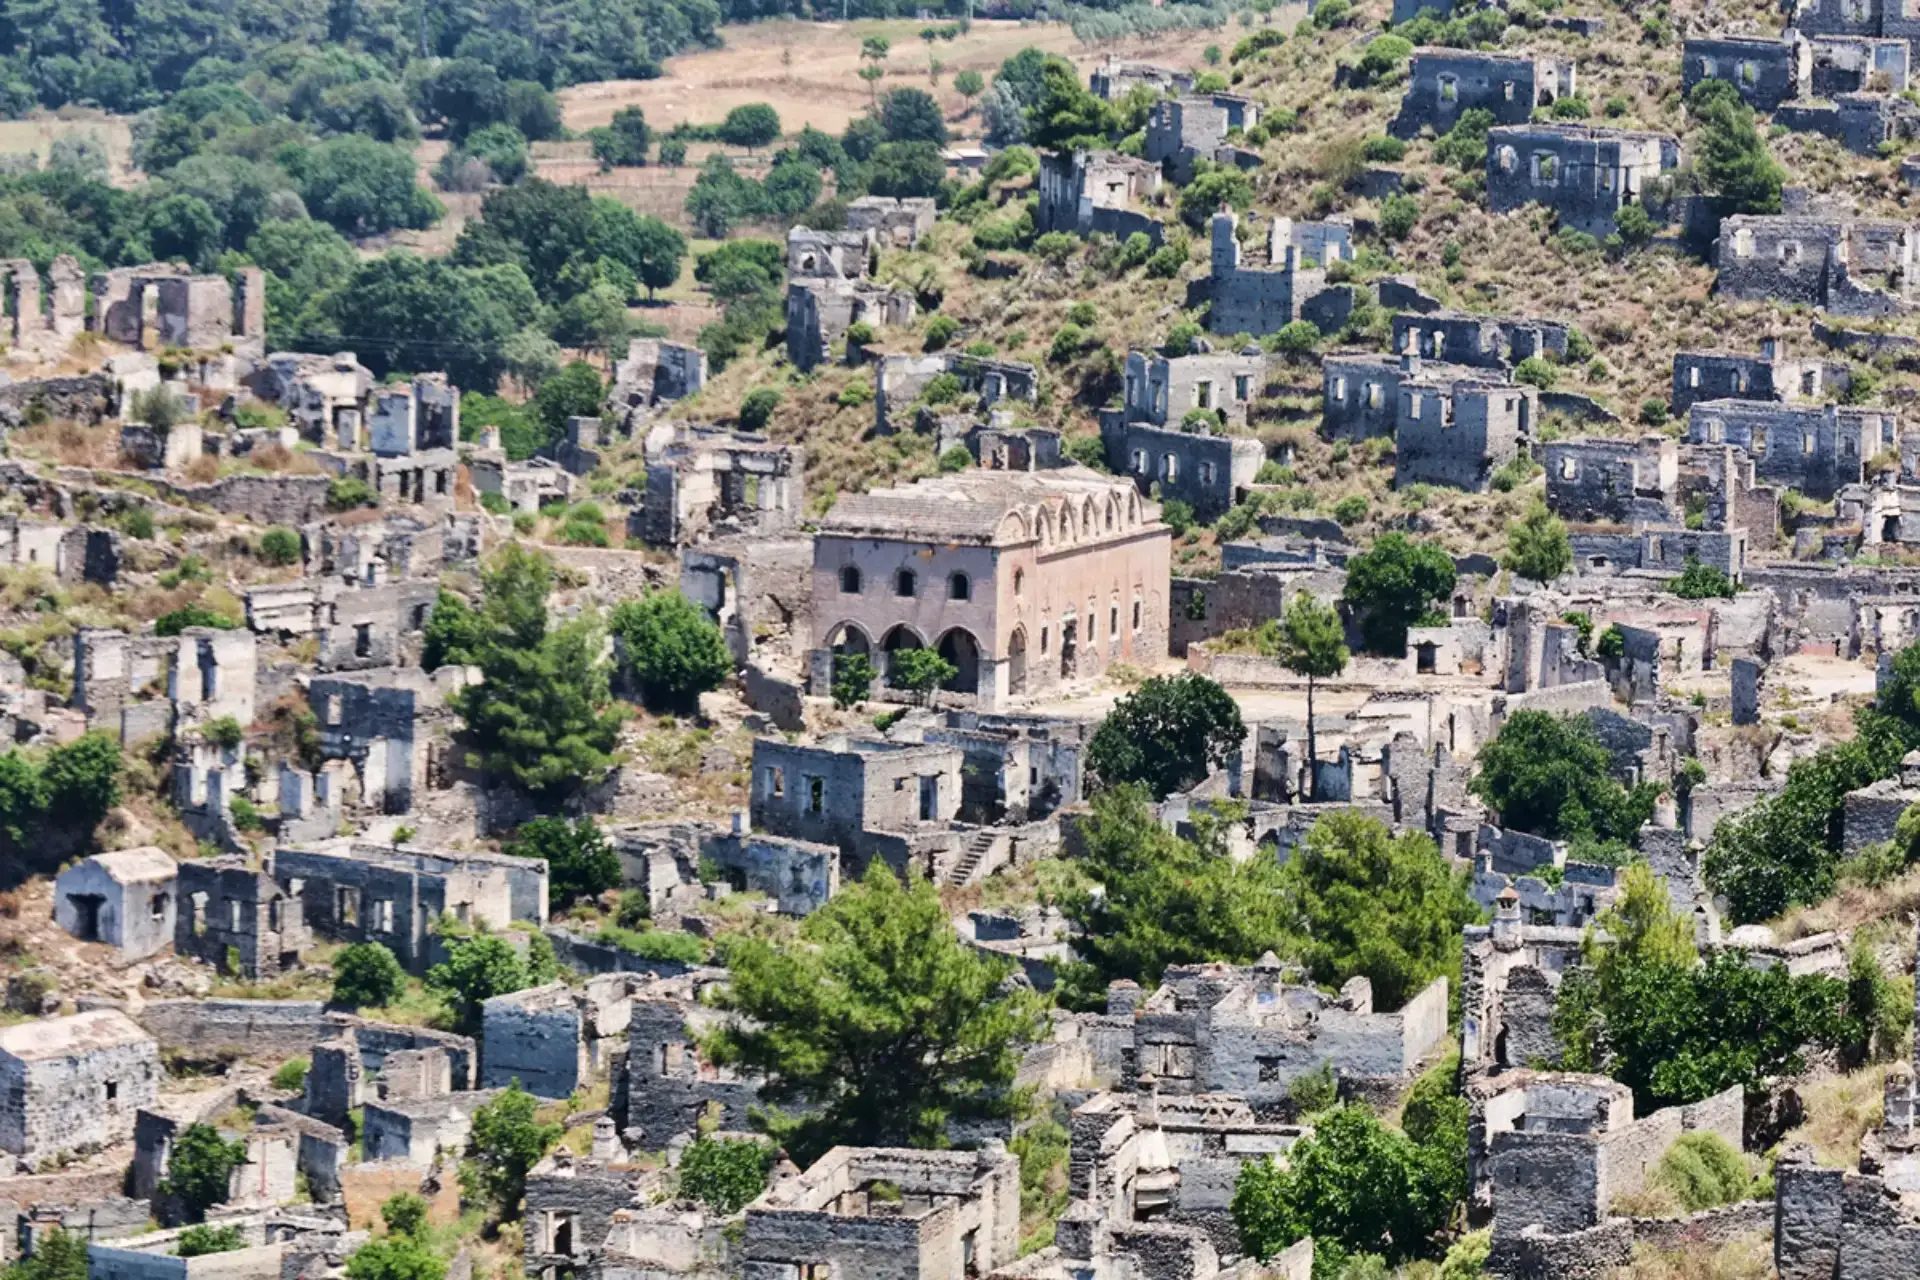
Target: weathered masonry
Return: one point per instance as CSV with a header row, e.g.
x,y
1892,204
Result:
x,y
67,1083
1816,449
1442,83
1586,175
1850,266
1765,72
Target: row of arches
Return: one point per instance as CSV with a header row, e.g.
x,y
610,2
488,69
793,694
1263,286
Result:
x,y
959,647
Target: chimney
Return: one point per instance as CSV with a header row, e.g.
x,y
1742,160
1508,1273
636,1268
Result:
x,y
1506,920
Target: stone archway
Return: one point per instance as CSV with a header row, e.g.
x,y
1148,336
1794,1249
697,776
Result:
x,y
960,648
900,638
1017,662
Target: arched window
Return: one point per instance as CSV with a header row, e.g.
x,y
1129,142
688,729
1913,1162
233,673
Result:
x,y
850,581
959,587
906,583
1019,581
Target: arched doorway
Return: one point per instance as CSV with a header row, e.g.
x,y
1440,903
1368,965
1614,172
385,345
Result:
x,y
1069,647
960,648
847,638
1017,661
900,638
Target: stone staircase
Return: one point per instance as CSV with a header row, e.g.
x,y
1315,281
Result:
x,y
978,846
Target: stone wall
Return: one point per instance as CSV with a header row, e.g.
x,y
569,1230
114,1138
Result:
x,y
265,1030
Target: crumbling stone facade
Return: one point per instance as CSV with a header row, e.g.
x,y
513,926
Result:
x,y
359,892
898,380
1258,297
1616,481
1817,449
1206,470
898,223
554,1040
1442,83
655,372
1765,72
1458,433
1183,130
664,1087
1585,175
703,482
1850,266
957,1213
1477,341
1860,122
1216,1028
1097,192
1115,77
238,919
72,1082
1766,375
1360,394
124,899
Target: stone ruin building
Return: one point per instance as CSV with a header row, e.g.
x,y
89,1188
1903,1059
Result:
x,y
71,1082
125,899
1586,175
354,891
1458,432
1114,77
655,372
1153,439
1816,449
1098,193
897,223
236,918
986,385
1848,266
830,289
955,563
1768,374
1442,83
703,482
1765,71
1250,1032
1182,131
1256,296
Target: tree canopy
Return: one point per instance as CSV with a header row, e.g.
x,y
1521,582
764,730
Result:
x,y
1393,585
1167,734
1360,901
1537,545
542,715
1154,899
580,862
673,649
485,965
878,1020
1551,776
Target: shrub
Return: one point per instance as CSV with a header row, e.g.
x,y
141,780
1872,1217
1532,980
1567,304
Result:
x,y
1573,108
199,1168
1351,509
1182,338
1082,314
279,546
1166,262
1296,338
855,394
138,523
1653,413
1383,150
1177,516
1056,246
1703,1171
1331,13
1537,371
859,333
1067,343
757,408
348,492
291,1077
725,1173
366,976
942,388
940,331
956,458
1384,58
199,1240
1398,213
1703,582
672,647
191,615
